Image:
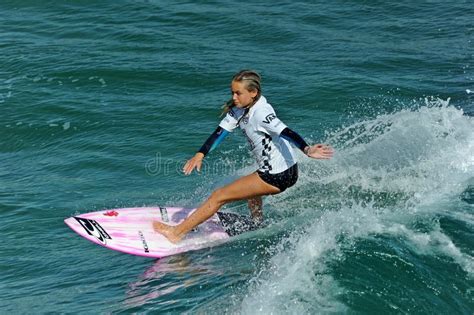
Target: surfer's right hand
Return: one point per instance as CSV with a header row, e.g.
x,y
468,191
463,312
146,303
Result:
x,y
194,162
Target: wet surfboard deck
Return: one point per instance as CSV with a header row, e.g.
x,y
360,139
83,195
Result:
x,y
130,230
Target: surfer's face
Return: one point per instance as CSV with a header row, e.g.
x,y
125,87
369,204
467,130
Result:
x,y
241,96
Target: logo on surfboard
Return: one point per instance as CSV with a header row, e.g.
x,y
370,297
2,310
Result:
x,y
145,245
111,213
93,228
164,214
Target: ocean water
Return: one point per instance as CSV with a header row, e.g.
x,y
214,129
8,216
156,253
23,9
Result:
x,y
102,101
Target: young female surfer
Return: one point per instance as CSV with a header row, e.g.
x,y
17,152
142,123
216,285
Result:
x,y
269,139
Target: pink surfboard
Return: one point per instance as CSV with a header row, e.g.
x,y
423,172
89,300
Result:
x,y
130,230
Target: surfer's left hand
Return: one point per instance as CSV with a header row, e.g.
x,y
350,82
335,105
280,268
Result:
x,y
319,151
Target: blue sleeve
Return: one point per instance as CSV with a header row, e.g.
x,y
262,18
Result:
x,y
214,140
294,138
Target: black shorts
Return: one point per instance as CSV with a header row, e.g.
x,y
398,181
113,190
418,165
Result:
x,y
281,180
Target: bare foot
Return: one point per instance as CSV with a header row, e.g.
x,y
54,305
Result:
x,y
167,231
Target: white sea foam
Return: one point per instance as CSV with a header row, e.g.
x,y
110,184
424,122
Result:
x,y
296,281
412,158
434,242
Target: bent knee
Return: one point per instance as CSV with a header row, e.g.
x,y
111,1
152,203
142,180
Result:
x,y
219,196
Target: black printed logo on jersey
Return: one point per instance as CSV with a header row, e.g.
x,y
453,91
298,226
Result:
x,y
269,118
94,229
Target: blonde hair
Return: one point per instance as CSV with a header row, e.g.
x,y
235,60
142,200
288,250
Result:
x,y
252,82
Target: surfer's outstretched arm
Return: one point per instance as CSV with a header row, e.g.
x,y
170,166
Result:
x,y
211,143
317,151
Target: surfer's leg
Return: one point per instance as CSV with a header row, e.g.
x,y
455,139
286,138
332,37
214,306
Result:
x,y
256,206
246,187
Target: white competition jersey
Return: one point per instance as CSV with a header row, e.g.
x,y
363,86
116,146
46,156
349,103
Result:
x,y
262,129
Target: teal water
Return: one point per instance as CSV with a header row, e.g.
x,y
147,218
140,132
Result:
x,y
102,102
